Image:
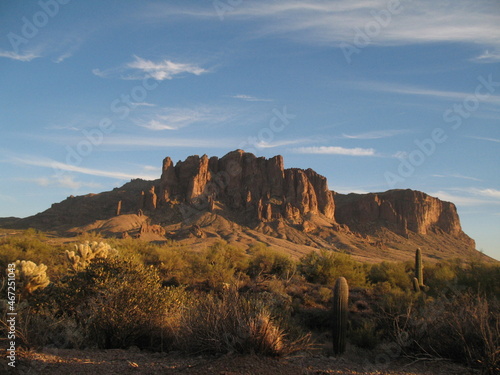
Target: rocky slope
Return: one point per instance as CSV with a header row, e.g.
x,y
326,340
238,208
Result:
x,y
242,198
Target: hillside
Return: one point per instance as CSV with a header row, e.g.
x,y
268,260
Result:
x,y
241,199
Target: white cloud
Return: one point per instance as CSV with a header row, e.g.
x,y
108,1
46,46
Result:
x,y
440,94
59,167
488,57
162,142
165,69
19,56
377,134
249,98
469,196
456,175
176,118
459,200
335,150
65,181
489,193
486,139
99,73
263,144
334,22
141,68
63,57
151,168
142,104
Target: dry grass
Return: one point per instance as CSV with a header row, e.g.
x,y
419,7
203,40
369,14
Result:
x,y
228,322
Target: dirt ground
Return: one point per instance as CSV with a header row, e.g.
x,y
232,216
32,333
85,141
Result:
x,y
96,362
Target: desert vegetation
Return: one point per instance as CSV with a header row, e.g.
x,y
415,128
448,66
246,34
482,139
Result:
x,y
112,293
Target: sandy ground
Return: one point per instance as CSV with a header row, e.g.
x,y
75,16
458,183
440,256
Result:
x,y
69,361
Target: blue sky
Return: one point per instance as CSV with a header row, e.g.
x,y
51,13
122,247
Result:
x,y
372,94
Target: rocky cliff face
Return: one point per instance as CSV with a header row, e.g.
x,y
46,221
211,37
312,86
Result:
x,y
243,181
400,211
240,197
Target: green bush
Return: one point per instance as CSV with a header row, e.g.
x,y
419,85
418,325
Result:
x,y
394,274
465,329
218,265
34,246
116,303
265,261
324,267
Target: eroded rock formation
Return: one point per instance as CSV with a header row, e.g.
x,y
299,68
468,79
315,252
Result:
x,y
243,181
400,211
236,194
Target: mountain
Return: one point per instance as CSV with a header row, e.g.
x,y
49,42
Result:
x,y
242,199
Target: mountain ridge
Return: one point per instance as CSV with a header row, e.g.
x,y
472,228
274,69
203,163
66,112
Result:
x,y
242,198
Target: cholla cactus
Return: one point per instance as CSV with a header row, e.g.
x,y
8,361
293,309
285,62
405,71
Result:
x,y
31,276
86,252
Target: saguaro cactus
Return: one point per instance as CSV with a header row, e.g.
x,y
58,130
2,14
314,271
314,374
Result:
x,y
419,268
416,287
340,301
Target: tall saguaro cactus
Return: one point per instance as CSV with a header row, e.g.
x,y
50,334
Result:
x,y
419,268
340,302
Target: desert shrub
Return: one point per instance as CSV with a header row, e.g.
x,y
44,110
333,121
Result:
x,y
365,335
117,303
173,265
465,329
325,267
480,277
31,245
265,261
230,322
394,274
218,265
440,277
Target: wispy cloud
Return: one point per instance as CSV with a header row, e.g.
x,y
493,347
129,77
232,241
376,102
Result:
x,y
64,56
488,57
28,56
334,22
141,68
471,196
486,139
142,104
249,98
489,193
377,134
263,144
459,200
176,118
419,91
62,127
59,166
65,181
456,175
335,150
162,142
